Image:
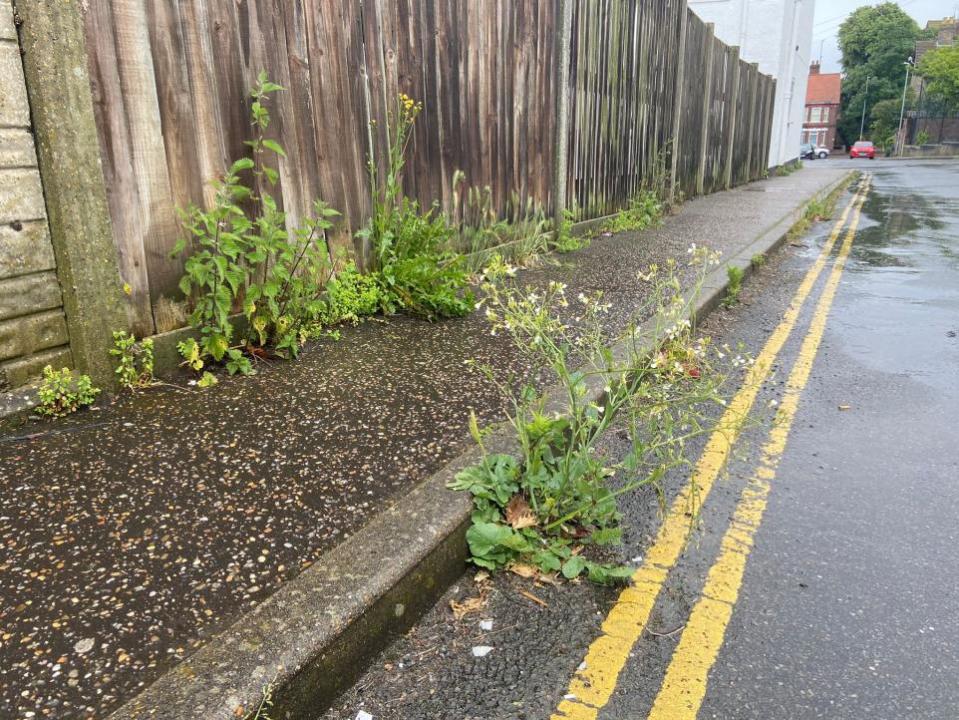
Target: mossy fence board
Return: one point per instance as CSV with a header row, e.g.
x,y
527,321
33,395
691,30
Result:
x,y
170,83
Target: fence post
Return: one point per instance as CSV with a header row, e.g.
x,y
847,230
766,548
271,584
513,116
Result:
x,y
707,97
734,101
678,99
753,92
561,141
68,149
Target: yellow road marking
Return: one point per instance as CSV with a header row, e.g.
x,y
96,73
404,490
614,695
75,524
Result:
x,y
590,689
684,686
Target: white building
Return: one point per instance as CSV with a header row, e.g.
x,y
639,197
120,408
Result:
x,y
777,34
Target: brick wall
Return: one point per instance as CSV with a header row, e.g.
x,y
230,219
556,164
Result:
x,y
33,331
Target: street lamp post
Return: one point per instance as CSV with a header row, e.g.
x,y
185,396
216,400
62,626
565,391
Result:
x,y
862,122
902,109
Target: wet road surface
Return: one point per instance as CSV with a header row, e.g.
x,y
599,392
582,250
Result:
x,y
822,580
131,534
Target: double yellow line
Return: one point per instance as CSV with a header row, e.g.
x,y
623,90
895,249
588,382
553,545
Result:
x,y
684,686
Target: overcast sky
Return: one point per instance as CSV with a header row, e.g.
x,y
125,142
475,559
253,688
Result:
x,y
831,13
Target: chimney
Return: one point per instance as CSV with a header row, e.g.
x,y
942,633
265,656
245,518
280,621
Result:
x,y
814,67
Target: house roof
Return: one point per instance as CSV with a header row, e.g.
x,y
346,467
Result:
x,y
823,88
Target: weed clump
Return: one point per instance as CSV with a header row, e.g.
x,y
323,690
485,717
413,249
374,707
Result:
x,y
62,392
551,506
735,275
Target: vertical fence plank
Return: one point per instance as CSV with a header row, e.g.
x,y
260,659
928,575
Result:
x,y
678,102
706,107
729,144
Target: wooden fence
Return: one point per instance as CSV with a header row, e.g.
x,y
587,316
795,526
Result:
x,y
650,89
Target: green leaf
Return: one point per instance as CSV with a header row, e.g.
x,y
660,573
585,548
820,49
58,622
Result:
x,y
275,147
573,566
216,345
607,536
486,541
604,574
240,165
547,561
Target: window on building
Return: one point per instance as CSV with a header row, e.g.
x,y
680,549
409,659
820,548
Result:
x,y
815,114
825,114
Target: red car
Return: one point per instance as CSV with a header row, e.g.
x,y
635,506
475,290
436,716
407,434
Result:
x,y
863,149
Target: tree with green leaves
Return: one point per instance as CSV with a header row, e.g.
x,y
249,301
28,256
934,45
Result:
x,y
885,122
940,70
875,41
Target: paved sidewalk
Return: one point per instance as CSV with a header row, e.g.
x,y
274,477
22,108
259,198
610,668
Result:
x,y
130,534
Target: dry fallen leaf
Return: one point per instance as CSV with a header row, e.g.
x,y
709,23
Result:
x,y
518,513
523,570
469,605
547,579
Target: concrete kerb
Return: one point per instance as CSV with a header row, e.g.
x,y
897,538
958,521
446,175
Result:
x,y
314,637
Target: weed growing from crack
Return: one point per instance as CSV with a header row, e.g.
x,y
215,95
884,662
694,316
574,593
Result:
x,y
735,275
557,501
134,360
62,392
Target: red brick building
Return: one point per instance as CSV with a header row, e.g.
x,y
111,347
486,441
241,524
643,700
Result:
x,y
822,107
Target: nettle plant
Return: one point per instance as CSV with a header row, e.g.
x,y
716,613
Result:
x,y
659,385
416,271
134,360
242,256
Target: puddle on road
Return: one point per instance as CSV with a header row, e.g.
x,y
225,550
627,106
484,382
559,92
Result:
x,y
900,300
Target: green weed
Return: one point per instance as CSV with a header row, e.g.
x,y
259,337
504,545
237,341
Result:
x,y
62,392
557,501
735,276
416,270
134,360
241,256
643,211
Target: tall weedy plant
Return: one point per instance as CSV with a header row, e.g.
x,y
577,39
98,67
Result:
x,y
415,269
241,257
655,381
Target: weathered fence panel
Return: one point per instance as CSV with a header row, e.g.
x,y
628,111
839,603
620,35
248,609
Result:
x,y
484,72
170,82
623,90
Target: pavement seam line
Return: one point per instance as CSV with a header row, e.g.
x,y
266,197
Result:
x,y
684,686
590,688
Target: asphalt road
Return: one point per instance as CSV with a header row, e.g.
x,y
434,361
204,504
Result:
x,y
823,580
